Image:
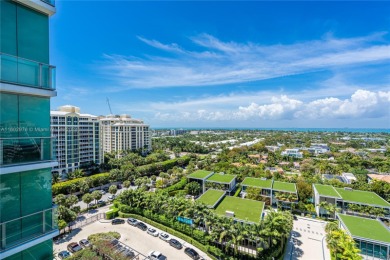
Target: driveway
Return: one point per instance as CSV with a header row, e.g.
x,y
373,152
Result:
x,y
307,241
131,236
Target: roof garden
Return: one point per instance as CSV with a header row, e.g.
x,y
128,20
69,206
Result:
x,y
200,174
284,186
365,228
244,209
363,197
222,178
256,182
211,197
326,191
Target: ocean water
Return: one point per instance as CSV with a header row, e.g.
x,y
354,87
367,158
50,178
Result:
x,y
347,130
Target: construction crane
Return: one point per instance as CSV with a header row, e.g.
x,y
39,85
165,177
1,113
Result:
x,y
108,102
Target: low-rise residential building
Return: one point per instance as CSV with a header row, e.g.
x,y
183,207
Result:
x,y
348,177
372,236
347,200
293,153
378,177
77,139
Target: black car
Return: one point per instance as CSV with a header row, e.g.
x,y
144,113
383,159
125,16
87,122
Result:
x,y
116,221
142,226
74,247
176,244
192,253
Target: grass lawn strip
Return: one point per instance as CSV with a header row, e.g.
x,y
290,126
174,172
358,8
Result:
x,y
244,209
221,178
256,182
200,174
366,228
327,191
365,197
211,197
284,186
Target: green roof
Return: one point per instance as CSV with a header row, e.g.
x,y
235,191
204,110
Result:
x,y
284,186
366,228
364,197
210,197
222,178
244,209
326,190
256,182
200,174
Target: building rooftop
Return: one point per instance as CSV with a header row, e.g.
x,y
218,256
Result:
x,y
256,182
380,177
244,209
284,186
327,191
222,178
211,197
199,174
363,197
371,229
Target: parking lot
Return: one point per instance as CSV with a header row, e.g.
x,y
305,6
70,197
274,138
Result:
x,y
307,241
131,236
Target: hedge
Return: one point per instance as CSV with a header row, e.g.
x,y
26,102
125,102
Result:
x,y
238,191
112,213
206,249
177,186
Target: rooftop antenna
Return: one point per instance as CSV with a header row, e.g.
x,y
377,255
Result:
x,y
108,102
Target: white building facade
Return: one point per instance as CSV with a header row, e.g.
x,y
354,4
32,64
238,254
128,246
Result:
x,y
123,133
77,139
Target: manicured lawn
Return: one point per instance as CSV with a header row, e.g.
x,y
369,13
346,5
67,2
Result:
x,y
200,174
221,178
366,228
284,186
326,190
365,197
210,197
256,182
244,209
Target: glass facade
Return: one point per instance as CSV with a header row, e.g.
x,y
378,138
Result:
x,y
26,209
372,250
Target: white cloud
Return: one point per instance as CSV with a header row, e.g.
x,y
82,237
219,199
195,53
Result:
x,y
215,62
361,104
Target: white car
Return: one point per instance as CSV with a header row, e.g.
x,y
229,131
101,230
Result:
x,y
111,197
152,231
164,236
156,255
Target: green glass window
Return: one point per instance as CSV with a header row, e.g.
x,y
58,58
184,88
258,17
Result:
x,y
8,28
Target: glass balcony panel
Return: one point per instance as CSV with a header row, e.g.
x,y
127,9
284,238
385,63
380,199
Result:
x,y
22,230
26,150
26,72
50,2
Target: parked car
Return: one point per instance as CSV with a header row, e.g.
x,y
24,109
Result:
x,y
63,254
74,247
191,253
164,236
106,189
84,243
132,221
156,255
111,197
103,192
176,244
152,231
116,221
101,202
141,226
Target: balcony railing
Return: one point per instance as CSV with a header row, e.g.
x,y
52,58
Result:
x,y
22,230
26,72
50,2
26,150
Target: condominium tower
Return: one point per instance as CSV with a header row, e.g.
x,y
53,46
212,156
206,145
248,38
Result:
x,y
77,138
123,133
27,82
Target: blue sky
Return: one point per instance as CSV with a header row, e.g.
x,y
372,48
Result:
x,y
226,64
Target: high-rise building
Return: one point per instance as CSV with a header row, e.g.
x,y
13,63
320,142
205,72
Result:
x,y
123,133
27,82
77,138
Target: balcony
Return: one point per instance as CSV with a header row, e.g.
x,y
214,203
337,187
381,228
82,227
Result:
x,y
25,72
22,230
50,2
26,150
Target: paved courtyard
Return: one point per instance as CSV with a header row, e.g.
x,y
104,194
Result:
x,y
307,241
131,236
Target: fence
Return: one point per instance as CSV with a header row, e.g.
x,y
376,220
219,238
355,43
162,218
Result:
x,y
87,221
